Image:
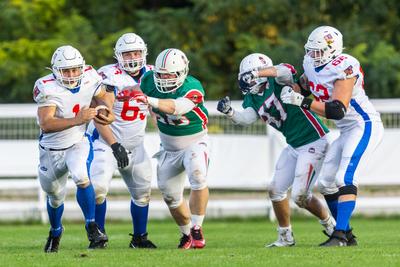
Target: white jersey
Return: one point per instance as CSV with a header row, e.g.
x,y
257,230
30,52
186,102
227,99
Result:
x,y
47,92
130,115
322,82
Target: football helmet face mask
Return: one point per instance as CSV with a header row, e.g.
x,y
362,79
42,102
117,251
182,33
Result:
x,y
127,43
323,45
67,65
251,62
170,70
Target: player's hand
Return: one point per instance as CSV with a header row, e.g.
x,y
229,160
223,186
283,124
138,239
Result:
x,y
139,96
224,106
120,155
247,79
85,115
289,96
105,119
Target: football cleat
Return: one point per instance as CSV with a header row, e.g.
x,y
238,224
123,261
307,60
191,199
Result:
x,y
96,237
53,242
141,241
185,242
351,239
337,239
329,226
285,239
198,237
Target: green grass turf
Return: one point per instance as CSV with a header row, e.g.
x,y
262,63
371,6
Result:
x,y
231,242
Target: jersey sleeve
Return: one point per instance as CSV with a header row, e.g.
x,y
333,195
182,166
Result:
x,y
286,74
195,95
41,97
95,79
348,68
247,102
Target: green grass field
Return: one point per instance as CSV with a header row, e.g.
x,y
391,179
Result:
x,y
231,242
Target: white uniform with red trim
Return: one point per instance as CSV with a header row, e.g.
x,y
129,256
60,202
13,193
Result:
x,y
128,129
361,129
67,150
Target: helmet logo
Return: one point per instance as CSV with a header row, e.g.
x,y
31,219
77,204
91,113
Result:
x,y
329,39
262,60
349,70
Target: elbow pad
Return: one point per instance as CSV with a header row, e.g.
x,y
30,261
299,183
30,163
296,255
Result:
x,y
335,110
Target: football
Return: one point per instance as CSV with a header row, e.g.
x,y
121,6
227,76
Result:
x,y
101,109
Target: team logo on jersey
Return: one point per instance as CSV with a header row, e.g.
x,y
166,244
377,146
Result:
x,y
349,70
43,168
36,92
329,39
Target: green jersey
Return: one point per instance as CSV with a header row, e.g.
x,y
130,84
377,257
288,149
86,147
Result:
x,y
299,126
194,121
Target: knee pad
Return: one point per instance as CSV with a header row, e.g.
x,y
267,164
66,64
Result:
x,y
56,200
276,196
101,191
198,180
348,190
173,201
141,198
301,200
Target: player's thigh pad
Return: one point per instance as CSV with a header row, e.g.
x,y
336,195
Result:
x,y
102,169
171,176
358,145
196,159
53,175
78,159
283,174
137,176
309,162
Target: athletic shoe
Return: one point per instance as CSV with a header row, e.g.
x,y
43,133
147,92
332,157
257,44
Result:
x,y
337,239
329,226
53,242
96,237
285,239
141,241
198,237
185,242
351,239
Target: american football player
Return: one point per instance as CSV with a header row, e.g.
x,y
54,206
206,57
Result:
x,y
300,162
63,99
124,138
336,80
177,99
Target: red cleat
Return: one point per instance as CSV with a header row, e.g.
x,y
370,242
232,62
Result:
x,y
198,238
186,242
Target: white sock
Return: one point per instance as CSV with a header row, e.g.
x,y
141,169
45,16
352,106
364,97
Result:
x,y
185,229
281,229
197,219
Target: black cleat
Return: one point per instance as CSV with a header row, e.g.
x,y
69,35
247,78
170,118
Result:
x,y
351,239
53,243
96,238
337,239
141,241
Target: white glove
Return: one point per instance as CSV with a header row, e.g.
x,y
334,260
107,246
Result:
x,y
289,96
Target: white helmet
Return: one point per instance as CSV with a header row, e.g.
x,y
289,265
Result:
x,y
130,42
67,57
170,61
323,45
251,62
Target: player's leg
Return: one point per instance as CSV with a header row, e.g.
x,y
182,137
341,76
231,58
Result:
x,y
78,160
281,181
53,177
137,177
309,161
359,143
102,169
196,160
171,179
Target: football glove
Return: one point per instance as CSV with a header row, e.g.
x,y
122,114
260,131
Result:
x,y
247,79
224,106
289,96
120,155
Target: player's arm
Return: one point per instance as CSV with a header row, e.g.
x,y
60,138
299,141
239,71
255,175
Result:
x,y
246,117
49,123
335,109
283,74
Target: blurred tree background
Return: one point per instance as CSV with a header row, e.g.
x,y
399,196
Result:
x,y
215,35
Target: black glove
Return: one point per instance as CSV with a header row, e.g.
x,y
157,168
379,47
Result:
x,y
224,106
120,154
